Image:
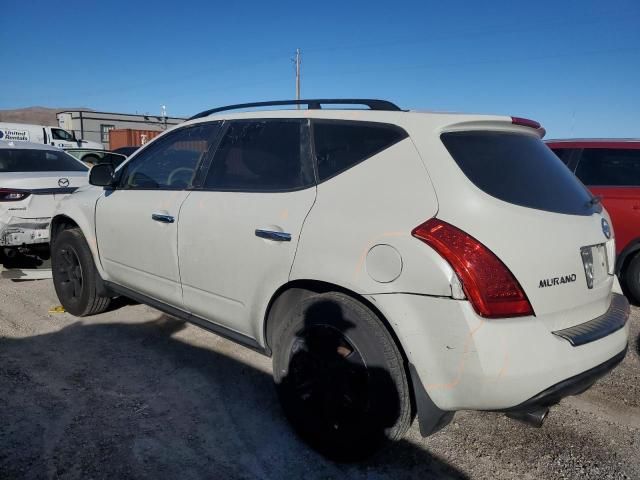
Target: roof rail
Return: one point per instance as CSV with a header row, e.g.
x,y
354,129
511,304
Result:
x,y
312,104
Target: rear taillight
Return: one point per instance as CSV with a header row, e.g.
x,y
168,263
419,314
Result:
x,y
7,195
487,282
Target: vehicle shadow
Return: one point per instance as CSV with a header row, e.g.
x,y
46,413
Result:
x,y
20,260
137,400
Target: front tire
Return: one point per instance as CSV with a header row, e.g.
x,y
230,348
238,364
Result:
x,y
74,275
340,377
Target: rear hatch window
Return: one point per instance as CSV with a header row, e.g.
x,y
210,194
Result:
x,y
28,160
519,169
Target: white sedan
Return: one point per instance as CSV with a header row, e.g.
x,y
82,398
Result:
x,y
33,178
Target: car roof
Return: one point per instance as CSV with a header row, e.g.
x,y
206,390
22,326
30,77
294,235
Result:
x,y
20,145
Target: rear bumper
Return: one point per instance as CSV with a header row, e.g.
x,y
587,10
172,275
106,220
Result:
x,y
463,361
613,319
17,231
571,386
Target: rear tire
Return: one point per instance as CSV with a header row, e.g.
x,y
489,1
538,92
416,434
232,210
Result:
x,y
632,278
75,277
340,377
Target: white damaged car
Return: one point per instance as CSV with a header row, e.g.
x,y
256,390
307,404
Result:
x,y
392,263
33,178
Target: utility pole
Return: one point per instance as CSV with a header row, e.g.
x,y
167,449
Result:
x,y
298,76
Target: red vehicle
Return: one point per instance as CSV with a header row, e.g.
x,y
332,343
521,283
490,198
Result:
x,y
611,170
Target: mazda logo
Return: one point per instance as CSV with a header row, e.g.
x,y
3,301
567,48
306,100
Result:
x,y
63,182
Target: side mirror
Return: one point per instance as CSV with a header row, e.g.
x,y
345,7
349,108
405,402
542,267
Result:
x,y
102,175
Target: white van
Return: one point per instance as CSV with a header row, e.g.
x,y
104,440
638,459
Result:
x,y
44,134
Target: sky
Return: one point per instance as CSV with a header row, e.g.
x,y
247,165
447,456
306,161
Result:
x,y
572,65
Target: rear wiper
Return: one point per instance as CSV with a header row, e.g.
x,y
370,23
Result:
x,y
595,200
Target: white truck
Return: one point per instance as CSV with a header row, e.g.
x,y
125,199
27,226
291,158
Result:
x,y
44,134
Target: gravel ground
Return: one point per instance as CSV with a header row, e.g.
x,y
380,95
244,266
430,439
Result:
x,y
135,394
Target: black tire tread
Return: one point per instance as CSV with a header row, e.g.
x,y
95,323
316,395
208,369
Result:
x,y
394,359
95,303
397,369
632,278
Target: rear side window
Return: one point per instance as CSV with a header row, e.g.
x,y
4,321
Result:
x,y
608,166
518,169
341,145
262,155
27,160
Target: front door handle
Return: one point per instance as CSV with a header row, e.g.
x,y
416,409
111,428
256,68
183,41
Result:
x,y
161,217
273,235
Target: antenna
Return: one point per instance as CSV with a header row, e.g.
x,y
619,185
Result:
x,y
298,61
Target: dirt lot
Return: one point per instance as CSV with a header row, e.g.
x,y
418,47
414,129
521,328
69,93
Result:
x,y
135,394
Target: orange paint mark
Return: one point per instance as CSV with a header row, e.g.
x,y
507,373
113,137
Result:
x,y
461,364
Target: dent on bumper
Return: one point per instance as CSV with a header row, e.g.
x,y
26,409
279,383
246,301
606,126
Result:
x,y
17,231
468,362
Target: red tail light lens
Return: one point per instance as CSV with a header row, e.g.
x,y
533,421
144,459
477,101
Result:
x,y
487,282
525,122
7,195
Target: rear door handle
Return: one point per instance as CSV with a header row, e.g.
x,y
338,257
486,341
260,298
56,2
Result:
x,y
161,217
272,235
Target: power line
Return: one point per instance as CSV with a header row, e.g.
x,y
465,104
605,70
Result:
x,y
497,61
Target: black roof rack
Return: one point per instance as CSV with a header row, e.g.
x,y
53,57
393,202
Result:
x,y
312,104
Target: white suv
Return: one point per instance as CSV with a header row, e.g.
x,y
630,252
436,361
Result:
x,y
391,262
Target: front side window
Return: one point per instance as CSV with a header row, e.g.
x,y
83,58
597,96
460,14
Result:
x,y
171,162
609,166
60,134
339,145
262,155
104,132
27,160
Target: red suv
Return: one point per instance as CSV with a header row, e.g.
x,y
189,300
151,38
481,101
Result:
x,y
611,170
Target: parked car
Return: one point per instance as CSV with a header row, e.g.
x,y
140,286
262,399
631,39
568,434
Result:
x,y
390,262
92,156
44,134
33,178
126,151
611,170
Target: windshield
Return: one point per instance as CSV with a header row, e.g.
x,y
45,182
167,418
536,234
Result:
x,y
27,160
519,169
59,134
